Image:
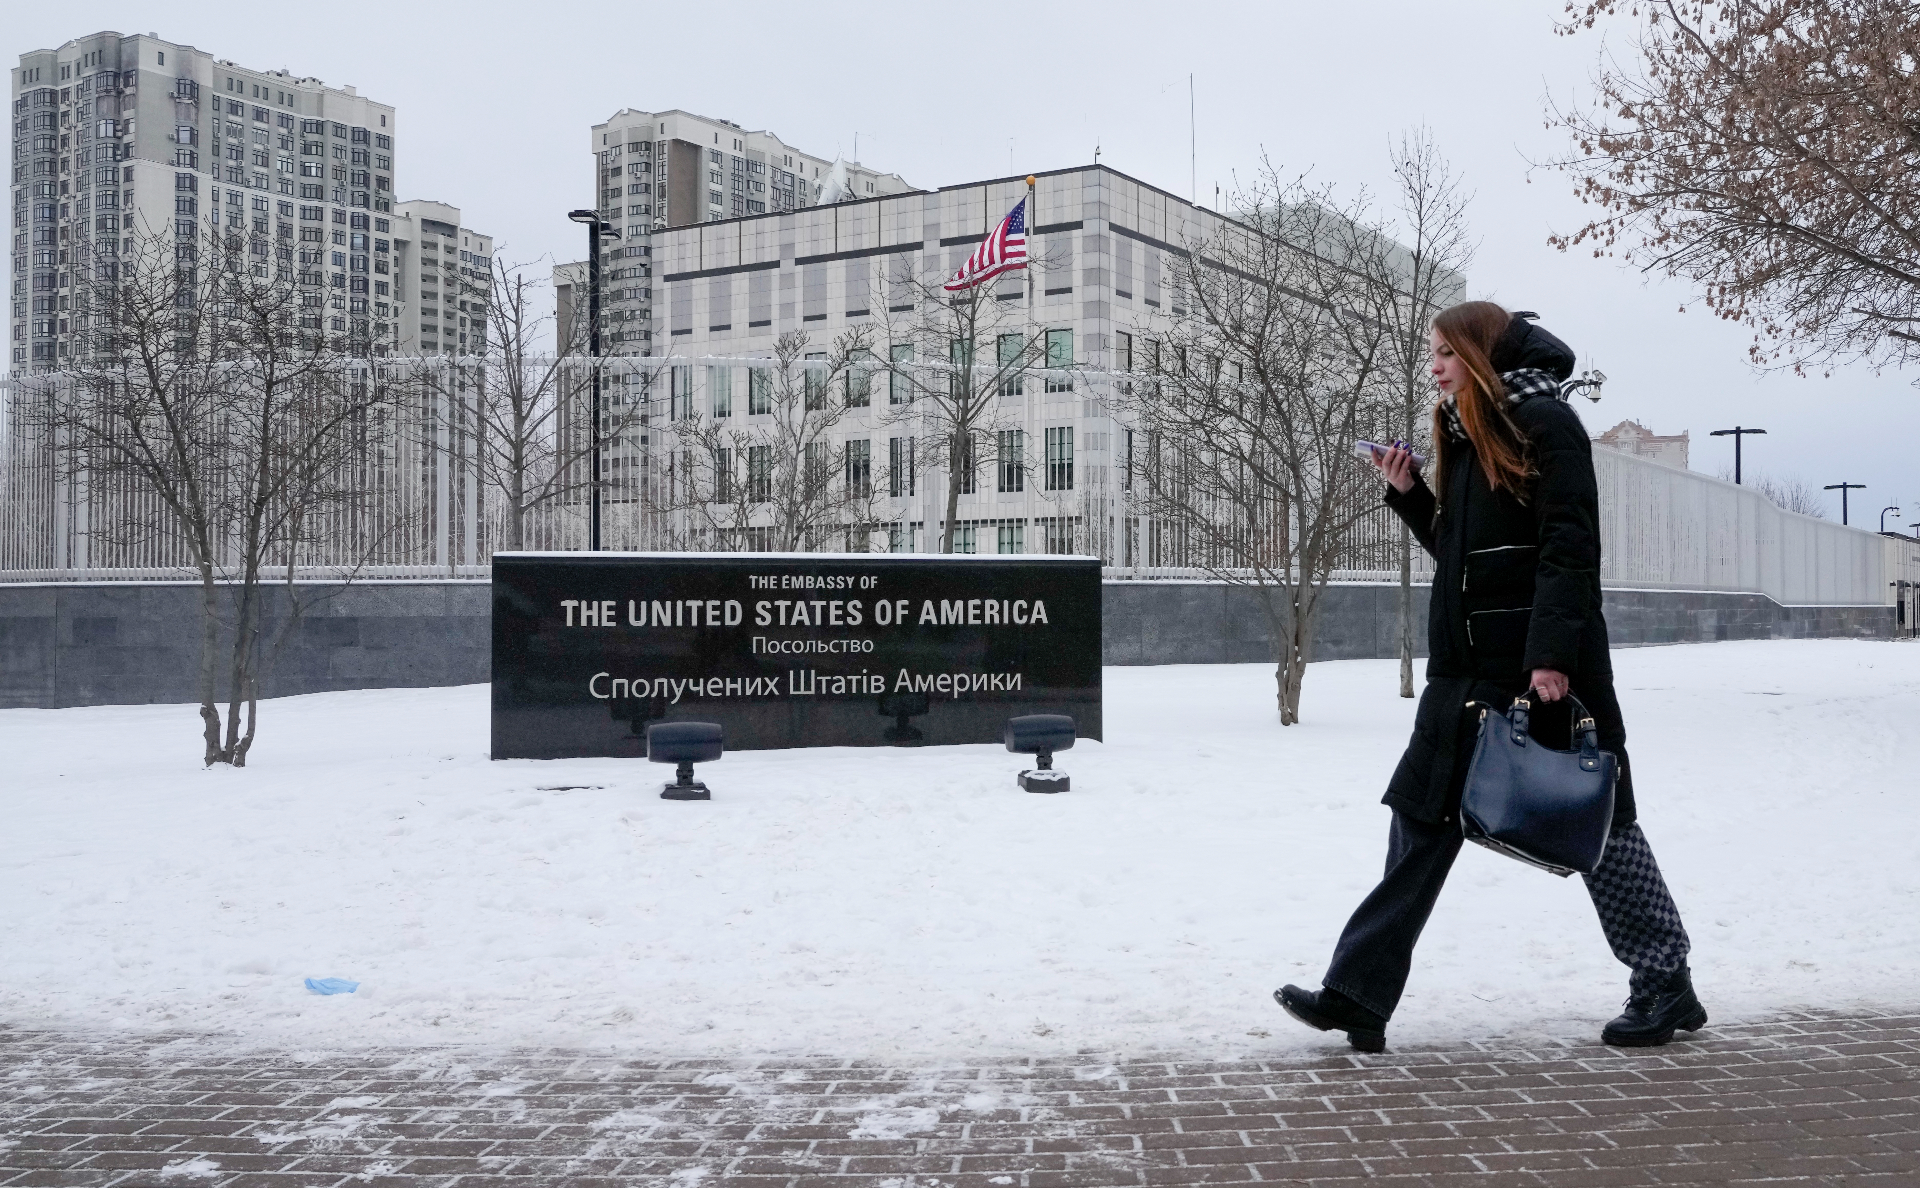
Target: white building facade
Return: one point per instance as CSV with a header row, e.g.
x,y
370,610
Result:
x,y
725,291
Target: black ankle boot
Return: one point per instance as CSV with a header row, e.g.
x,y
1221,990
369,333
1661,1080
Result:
x,y
1330,1010
1653,1016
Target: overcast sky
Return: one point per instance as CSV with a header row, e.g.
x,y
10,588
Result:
x,y
495,100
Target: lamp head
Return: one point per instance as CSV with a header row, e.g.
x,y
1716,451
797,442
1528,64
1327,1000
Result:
x,y
584,216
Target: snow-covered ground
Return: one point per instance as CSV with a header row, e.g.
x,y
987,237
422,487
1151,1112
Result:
x,y
914,902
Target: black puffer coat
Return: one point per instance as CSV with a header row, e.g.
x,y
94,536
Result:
x,y
1516,587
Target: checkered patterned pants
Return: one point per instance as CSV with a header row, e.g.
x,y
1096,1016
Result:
x,y
1636,911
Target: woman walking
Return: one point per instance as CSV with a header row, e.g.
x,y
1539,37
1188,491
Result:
x,y
1512,522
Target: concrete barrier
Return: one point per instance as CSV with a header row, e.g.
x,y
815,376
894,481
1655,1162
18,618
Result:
x,y
108,643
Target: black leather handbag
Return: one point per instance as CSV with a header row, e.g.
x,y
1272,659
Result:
x,y
1549,808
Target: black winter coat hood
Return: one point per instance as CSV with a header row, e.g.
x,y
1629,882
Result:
x,y
1526,345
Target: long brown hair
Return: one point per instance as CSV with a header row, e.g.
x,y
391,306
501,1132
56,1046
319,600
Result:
x,y
1471,329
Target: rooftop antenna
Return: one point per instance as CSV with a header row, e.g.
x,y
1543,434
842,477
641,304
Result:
x,y
1193,154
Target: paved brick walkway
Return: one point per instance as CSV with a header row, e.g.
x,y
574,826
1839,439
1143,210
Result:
x,y
1806,1099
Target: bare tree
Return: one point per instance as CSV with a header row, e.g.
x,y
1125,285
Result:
x,y
1786,493
532,410
1763,150
958,360
1422,276
766,469
1251,402
204,380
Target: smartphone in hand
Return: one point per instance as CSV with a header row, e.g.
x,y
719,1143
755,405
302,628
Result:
x,y
1373,452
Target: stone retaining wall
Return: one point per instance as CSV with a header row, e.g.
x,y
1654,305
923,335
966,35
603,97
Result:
x,y
139,642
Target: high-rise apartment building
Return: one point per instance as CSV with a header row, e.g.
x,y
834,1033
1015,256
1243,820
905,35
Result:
x,y
117,136
674,169
440,279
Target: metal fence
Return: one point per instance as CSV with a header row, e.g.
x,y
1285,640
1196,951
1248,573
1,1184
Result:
x,y
435,518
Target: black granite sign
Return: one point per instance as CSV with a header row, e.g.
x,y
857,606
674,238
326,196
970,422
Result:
x,y
786,649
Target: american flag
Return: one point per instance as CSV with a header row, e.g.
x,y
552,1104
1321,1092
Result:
x,y
1002,251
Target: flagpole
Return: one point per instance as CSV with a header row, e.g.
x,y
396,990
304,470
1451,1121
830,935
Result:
x,y
1031,224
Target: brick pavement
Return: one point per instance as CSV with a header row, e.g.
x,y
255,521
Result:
x,y
1817,1099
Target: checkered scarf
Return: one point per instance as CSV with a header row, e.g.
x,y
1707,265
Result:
x,y
1523,384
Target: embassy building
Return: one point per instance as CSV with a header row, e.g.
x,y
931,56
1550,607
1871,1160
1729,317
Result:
x,y
1052,478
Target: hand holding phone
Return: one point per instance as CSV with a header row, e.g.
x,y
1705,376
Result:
x,y
1395,462
1376,454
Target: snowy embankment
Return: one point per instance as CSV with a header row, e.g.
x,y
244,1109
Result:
x,y
914,902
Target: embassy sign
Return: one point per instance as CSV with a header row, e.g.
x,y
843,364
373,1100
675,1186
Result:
x,y
787,649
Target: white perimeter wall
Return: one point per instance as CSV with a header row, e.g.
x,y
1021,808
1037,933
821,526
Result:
x,y
1668,529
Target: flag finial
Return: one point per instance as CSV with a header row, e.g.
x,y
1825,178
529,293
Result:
x,y
1030,179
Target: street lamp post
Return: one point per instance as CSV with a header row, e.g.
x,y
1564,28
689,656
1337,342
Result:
x,y
1737,432
597,229
1883,517
1843,488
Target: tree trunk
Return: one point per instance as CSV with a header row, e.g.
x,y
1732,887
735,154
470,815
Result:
x,y
1406,612
245,632
953,503
209,645
1296,648
253,711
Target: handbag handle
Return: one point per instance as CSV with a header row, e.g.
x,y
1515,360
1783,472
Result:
x,y
1583,726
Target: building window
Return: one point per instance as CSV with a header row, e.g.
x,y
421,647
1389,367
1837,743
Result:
x,y
1010,347
900,467
1122,351
1011,472
1059,358
759,473
1060,458
899,383
680,392
816,382
720,390
860,380
859,469
816,465
1013,538
963,538
759,391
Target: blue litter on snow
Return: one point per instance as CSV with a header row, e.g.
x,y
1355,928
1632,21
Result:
x,y
332,985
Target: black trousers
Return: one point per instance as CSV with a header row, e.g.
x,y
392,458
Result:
x,y
1371,962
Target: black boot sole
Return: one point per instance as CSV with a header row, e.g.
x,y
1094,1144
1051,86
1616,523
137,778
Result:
x,y
1656,1039
1362,1039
